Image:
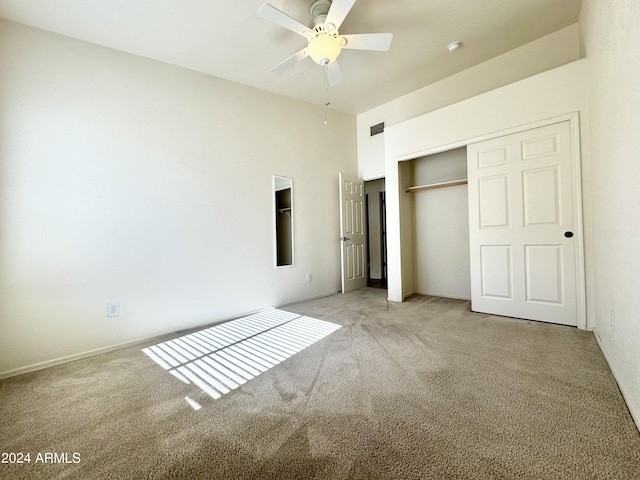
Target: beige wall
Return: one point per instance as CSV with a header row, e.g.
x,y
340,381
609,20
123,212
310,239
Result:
x,y
611,35
126,179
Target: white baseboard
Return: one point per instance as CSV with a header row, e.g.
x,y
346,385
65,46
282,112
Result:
x,y
443,295
70,358
633,409
308,299
110,348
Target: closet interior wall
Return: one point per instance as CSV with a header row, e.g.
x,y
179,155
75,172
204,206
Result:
x,y
441,226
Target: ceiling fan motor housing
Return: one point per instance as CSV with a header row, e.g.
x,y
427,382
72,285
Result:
x,y
318,11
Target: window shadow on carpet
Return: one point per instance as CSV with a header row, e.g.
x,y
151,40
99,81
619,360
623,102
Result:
x,y
223,357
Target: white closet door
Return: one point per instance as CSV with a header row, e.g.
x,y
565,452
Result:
x,y
521,221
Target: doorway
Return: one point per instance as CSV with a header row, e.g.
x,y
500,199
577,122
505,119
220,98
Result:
x,y
377,232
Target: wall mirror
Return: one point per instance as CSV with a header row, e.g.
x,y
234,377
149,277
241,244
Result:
x,y
283,221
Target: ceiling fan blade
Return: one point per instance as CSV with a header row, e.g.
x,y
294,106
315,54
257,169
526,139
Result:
x,y
274,15
369,41
334,72
338,11
285,65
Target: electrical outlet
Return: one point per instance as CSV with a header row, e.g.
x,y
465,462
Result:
x,y
113,309
309,277
613,320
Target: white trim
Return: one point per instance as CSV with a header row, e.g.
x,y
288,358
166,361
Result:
x,y
487,136
581,282
308,299
633,409
373,178
443,295
69,358
341,208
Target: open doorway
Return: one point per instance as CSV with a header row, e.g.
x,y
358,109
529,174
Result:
x,y
377,233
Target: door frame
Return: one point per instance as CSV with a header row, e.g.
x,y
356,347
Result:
x,y
382,234
382,198
367,228
574,121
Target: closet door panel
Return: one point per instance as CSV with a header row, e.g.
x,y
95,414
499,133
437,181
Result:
x,y
493,201
522,248
495,265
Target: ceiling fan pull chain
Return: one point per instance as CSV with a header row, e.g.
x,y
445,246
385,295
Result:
x,y
326,90
326,85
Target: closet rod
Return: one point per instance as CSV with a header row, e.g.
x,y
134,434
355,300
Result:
x,y
432,186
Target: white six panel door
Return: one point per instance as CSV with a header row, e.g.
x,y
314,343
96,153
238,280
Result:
x,y
520,208
352,234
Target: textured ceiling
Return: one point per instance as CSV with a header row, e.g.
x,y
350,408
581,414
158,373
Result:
x,y
227,39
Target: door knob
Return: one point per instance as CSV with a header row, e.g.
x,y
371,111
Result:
x,y
568,234
344,239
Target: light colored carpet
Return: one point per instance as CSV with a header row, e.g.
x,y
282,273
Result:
x,y
423,389
220,358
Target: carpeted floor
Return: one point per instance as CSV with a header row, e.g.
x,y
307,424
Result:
x,y
423,389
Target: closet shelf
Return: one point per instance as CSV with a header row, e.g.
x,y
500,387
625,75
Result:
x,y
432,186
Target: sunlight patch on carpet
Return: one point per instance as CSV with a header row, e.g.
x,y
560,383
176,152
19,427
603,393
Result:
x,y
223,357
195,405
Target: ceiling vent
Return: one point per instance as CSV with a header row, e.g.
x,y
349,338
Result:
x,y
376,129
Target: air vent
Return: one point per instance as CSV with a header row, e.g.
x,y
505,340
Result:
x,y
376,129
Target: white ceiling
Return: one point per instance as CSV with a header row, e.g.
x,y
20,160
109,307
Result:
x,y
227,39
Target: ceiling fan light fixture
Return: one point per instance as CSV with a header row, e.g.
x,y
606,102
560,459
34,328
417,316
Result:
x,y
324,49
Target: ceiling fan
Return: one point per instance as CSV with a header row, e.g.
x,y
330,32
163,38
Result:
x,y
325,41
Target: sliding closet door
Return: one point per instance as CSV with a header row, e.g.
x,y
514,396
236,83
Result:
x,y
521,222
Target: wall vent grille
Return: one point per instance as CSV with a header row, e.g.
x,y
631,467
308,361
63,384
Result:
x,y
376,129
